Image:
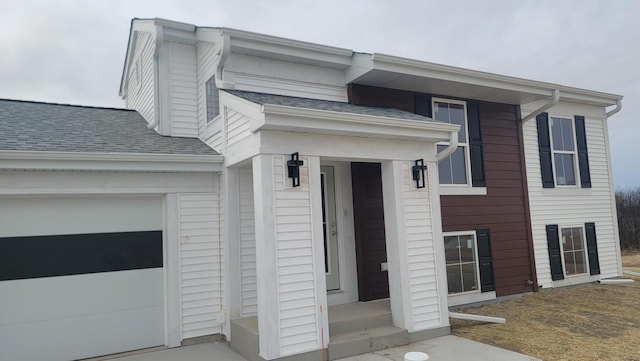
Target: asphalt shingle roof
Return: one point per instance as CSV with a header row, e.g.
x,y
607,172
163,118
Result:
x,y
36,126
261,98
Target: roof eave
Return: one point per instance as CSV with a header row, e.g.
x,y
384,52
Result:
x,y
490,80
94,161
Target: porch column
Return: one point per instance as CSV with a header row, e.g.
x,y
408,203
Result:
x,y
290,264
413,285
231,200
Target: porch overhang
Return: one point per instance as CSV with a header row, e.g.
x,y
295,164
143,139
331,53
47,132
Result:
x,y
301,120
420,76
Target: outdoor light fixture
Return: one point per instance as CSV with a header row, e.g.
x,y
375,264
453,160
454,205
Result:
x,y
417,172
293,166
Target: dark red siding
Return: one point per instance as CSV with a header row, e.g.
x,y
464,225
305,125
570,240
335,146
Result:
x,y
503,210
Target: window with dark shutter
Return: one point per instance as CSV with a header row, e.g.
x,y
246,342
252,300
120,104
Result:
x,y
485,260
583,156
544,146
475,145
592,248
555,258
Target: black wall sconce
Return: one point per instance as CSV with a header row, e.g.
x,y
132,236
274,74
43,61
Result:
x,y
417,172
293,167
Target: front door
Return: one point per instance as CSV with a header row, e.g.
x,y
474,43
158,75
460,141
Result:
x,y
331,266
368,218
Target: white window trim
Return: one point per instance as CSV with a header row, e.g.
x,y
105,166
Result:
x,y
475,245
574,153
206,101
584,244
460,189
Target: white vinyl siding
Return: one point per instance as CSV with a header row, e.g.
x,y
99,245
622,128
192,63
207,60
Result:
x,y
271,76
201,264
140,94
575,205
249,297
183,90
237,126
295,260
425,305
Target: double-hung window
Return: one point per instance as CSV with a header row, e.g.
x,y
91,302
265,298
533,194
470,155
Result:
x,y
563,147
455,168
574,252
462,262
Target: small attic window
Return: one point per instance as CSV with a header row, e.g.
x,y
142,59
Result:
x,y
213,99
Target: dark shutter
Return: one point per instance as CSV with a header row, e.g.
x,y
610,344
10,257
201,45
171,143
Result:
x,y
475,145
583,156
592,248
423,105
555,259
485,261
544,146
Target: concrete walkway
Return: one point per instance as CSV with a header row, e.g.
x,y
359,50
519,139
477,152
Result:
x,y
447,348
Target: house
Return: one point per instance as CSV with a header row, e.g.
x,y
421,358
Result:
x,y
261,187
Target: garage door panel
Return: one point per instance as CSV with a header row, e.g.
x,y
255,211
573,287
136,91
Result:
x,y
37,216
81,337
80,276
52,298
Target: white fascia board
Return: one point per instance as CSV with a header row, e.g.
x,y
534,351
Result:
x,y
292,119
244,41
132,162
461,75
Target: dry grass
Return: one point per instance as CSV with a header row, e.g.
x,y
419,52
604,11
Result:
x,y
631,261
586,322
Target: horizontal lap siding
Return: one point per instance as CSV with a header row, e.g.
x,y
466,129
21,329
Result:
x,y
140,94
201,264
183,82
502,209
251,73
421,255
237,126
295,260
249,297
575,206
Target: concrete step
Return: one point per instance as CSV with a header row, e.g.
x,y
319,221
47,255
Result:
x,y
244,338
361,316
353,325
375,339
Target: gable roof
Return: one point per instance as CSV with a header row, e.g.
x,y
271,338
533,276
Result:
x,y
47,127
328,105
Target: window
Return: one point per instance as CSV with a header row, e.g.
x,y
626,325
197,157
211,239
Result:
x,y
212,99
573,251
462,262
563,148
455,168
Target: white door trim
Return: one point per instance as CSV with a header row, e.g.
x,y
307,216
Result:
x,y
348,291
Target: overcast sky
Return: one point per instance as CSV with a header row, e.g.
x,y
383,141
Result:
x,y
73,51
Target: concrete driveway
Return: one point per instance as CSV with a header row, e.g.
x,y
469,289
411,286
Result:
x,y
447,348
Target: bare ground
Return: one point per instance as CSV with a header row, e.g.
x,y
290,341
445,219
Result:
x,y
586,322
631,261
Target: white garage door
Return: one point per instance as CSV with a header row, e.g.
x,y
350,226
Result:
x,y
80,276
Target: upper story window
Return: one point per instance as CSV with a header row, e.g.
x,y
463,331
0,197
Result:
x,y
564,157
564,151
455,169
212,99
